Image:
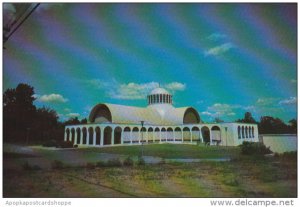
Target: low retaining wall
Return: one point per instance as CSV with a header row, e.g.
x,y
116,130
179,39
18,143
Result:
x,y
280,142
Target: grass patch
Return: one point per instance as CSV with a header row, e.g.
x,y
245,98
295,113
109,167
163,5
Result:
x,y
172,151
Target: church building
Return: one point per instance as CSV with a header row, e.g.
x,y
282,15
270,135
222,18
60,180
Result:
x,y
159,122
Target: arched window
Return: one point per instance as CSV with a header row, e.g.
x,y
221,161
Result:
x,y
239,132
163,134
249,132
243,132
178,134
126,135
91,136
170,135
78,132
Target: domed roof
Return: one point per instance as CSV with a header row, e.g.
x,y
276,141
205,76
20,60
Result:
x,y
159,91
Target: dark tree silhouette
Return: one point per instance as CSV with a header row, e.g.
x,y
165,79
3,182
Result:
x,y
247,119
270,125
18,112
293,126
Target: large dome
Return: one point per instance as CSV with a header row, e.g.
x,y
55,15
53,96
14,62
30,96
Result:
x,y
159,91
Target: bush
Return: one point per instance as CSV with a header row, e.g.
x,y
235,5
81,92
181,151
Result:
x,y
65,144
50,143
141,161
257,148
26,166
113,163
288,155
128,161
90,165
100,164
56,164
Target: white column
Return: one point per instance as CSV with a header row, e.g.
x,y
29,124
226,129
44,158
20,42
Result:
x,y
173,136
65,138
112,136
94,137
87,137
200,135
70,136
147,133
102,136
81,136
191,135
122,136
130,134
160,136
75,139
182,135
210,138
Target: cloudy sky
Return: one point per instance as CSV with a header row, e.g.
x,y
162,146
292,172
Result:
x,y
222,59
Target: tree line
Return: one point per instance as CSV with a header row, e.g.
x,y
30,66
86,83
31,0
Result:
x,y
23,122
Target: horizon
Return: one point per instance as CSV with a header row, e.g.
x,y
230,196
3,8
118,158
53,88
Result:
x,y
78,55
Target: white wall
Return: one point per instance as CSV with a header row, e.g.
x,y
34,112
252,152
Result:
x,y
280,142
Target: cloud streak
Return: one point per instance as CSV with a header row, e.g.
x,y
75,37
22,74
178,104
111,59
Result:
x,y
218,50
132,91
289,101
216,36
52,98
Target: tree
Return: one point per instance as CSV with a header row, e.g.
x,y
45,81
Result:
x,y
270,125
293,126
18,111
72,121
247,119
83,121
218,120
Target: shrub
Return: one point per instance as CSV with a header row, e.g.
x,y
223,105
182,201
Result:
x,y
26,166
141,161
65,144
50,143
128,161
113,163
90,165
290,155
257,148
100,164
56,164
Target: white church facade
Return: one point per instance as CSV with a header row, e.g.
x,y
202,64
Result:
x,y
159,122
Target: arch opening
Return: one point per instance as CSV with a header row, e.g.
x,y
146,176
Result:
x,y
196,134
191,116
135,135
84,135
205,134
98,135
107,136
78,132
126,135
216,134
117,135
91,136
186,134
100,114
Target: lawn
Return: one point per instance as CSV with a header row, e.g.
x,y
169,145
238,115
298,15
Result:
x,y
172,151
204,179
243,176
